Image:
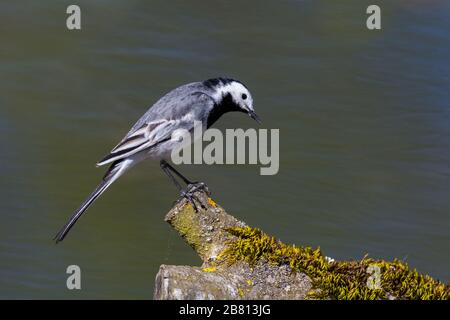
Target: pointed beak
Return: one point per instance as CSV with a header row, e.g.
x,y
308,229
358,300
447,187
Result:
x,y
254,116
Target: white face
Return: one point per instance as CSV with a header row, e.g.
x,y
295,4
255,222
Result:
x,y
241,96
239,93
243,99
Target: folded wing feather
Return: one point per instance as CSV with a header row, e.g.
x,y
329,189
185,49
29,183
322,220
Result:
x,y
140,139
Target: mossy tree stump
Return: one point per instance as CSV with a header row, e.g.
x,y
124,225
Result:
x,y
240,262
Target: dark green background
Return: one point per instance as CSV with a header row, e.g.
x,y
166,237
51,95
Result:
x,y
363,118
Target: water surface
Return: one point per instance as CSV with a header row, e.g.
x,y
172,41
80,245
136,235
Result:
x,y
363,119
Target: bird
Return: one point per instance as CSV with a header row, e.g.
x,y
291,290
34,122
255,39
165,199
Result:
x,y
153,135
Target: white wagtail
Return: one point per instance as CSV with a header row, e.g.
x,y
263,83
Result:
x,y
152,137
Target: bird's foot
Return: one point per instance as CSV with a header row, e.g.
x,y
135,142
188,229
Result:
x,y
192,199
198,186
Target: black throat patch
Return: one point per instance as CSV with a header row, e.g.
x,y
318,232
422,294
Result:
x,y
227,104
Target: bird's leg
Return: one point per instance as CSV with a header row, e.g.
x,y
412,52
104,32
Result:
x,y
192,186
189,192
165,167
165,164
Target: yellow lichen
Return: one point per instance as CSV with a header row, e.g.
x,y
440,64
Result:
x,y
209,269
212,203
337,279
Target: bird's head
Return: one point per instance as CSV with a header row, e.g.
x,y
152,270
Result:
x,y
233,95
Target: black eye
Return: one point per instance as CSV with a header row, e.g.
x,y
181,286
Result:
x,y
244,96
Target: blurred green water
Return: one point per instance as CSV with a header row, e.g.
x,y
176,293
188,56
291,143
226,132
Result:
x,y
363,119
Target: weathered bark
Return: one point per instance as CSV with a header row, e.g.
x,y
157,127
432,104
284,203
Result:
x,y
235,266
205,232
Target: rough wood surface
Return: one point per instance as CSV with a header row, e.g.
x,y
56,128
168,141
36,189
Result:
x,y
205,232
245,263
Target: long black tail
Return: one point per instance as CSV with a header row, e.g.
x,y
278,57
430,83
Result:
x,y
114,172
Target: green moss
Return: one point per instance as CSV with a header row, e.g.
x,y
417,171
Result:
x,y
337,279
186,223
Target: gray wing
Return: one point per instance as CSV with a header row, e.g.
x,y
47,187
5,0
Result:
x,y
170,113
174,104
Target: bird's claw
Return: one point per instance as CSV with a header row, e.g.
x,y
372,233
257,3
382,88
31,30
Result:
x,y
192,198
196,186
